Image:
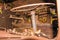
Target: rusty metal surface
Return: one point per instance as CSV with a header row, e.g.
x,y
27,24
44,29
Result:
x,y
24,2
8,36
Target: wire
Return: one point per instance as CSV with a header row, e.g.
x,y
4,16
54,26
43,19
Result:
x,y
29,5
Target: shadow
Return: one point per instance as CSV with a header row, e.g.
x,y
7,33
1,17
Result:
x,y
55,26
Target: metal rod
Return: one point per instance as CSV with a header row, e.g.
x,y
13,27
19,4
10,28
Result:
x,y
30,5
33,20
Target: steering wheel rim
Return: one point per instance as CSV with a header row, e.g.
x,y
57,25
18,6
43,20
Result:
x,y
29,5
